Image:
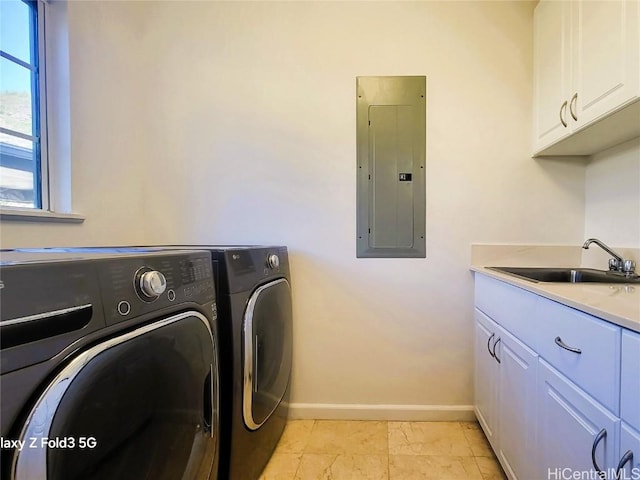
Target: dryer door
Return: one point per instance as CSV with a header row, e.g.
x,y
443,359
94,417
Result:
x,y
143,405
267,332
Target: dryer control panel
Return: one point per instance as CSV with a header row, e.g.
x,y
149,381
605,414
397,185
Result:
x,y
242,268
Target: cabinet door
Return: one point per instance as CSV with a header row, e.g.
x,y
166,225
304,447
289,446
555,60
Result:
x,y
630,383
606,68
569,426
630,452
517,387
486,376
552,69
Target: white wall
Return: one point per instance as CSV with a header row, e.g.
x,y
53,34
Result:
x,y
234,122
253,128
108,141
612,211
612,203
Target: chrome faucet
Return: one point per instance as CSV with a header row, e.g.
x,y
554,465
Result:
x,y
617,263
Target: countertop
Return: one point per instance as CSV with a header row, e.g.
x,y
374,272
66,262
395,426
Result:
x,y
616,303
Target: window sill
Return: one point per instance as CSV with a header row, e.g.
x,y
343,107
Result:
x,y
44,216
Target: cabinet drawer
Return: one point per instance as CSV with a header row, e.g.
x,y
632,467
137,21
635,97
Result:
x,y
630,392
511,307
596,369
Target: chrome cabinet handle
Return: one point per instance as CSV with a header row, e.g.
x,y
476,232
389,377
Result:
x,y
571,105
560,343
495,344
563,107
627,457
489,346
601,435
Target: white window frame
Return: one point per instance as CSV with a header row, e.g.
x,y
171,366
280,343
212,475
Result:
x,y
55,191
42,97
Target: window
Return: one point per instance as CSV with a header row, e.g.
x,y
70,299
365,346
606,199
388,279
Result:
x,y
23,146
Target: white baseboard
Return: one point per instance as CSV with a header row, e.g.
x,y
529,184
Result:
x,y
419,413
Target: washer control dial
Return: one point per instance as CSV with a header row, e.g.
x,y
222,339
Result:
x,y
273,261
151,283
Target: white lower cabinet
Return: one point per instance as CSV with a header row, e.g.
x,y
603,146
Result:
x,y
505,383
486,376
630,383
560,398
575,432
517,407
629,463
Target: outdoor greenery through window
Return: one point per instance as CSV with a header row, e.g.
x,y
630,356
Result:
x,y
22,161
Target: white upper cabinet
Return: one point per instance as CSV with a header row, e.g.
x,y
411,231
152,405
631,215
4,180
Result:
x,y
552,73
586,75
606,58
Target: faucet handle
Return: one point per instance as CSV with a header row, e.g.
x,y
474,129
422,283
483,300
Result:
x,y
629,266
614,264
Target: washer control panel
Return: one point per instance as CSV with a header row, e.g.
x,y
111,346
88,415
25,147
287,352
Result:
x,y
142,284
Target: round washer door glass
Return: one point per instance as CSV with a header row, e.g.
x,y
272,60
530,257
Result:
x,y
267,333
139,405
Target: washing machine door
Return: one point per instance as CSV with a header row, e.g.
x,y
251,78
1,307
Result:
x,y
142,405
267,332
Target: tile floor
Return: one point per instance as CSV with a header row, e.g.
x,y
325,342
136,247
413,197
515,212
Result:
x,y
371,450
